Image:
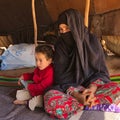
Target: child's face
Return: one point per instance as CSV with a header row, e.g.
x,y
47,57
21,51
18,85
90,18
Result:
x,y
42,61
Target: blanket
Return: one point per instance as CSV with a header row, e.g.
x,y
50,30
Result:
x,y
8,81
12,81
9,111
115,78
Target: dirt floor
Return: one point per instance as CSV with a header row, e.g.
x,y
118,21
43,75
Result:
x,y
112,62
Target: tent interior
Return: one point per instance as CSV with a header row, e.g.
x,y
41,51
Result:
x,y
19,25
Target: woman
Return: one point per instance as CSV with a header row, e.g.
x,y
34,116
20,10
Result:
x,y
80,70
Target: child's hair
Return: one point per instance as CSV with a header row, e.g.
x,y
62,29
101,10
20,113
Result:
x,y
45,49
50,39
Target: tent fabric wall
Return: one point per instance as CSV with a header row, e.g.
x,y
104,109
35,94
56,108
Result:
x,y
96,6
106,24
16,15
103,6
55,7
16,19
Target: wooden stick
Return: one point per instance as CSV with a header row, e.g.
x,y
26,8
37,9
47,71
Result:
x,y
34,22
87,7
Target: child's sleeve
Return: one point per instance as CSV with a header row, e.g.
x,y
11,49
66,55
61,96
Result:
x,y
39,88
28,76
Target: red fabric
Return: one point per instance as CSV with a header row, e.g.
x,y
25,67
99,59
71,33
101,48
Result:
x,y
61,105
64,105
42,79
115,75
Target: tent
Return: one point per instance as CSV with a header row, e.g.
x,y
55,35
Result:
x,y
24,21
17,18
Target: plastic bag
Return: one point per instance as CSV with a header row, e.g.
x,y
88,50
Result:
x,y
18,56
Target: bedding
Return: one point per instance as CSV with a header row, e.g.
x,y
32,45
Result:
x,y
9,111
12,80
8,81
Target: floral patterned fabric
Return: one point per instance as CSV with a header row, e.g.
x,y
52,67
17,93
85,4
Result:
x,y
60,105
64,105
108,93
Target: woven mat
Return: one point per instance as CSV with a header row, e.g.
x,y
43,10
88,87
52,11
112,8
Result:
x,y
10,81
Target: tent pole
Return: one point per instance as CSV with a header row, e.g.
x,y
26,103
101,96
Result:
x,y
34,22
87,8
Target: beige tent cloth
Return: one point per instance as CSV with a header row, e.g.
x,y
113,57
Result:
x,y
87,8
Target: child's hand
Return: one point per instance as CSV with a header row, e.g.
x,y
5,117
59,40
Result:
x,y
19,81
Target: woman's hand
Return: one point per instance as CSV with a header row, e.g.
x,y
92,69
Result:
x,y
90,98
92,88
86,97
79,97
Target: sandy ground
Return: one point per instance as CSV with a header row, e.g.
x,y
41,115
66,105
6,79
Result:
x,y
113,64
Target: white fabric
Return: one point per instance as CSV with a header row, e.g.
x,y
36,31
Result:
x,y
23,95
36,101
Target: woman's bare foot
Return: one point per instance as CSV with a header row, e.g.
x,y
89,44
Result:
x,y
20,102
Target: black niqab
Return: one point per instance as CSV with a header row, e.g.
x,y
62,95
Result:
x,y
80,62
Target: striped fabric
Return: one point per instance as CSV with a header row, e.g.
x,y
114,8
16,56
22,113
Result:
x,y
11,81
8,81
115,78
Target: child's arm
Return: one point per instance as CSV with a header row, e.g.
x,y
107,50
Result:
x,y
25,77
38,89
28,76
